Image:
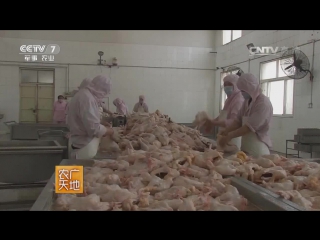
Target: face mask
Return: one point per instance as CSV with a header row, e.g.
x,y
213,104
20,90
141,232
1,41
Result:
x,y
245,95
228,90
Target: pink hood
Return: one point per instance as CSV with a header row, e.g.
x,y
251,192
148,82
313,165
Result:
x,y
141,96
250,84
85,82
121,106
236,94
100,87
234,102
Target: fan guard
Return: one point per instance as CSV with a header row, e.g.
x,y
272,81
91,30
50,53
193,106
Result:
x,y
295,64
234,68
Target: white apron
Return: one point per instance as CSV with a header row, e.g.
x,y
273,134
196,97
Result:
x,y
100,111
223,116
140,109
87,152
252,145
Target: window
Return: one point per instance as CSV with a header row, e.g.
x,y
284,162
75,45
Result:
x,y
230,35
223,94
278,87
37,76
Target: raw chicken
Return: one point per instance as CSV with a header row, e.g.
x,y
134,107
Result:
x,y
210,204
286,185
157,184
187,182
88,203
315,201
308,193
172,193
232,197
298,181
296,197
264,162
187,205
193,172
117,195
109,143
200,119
153,151
225,170
100,189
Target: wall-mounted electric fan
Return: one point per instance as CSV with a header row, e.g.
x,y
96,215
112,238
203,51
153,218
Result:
x,y
295,64
234,68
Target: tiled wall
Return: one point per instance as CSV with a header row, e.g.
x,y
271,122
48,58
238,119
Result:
x,y
236,51
155,71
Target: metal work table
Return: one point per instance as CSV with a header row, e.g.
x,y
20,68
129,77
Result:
x,y
311,145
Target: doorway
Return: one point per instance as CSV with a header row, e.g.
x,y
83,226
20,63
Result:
x,y
36,95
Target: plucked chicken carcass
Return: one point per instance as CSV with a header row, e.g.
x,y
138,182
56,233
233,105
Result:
x,y
109,143
200,119
228,148
153,131
163,166
296,197
136,187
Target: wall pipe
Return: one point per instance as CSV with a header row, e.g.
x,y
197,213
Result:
x,y
67,66
91,64
311,77
68,78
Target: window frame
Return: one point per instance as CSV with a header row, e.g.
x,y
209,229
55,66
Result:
x,y
221,86
231,37
277,79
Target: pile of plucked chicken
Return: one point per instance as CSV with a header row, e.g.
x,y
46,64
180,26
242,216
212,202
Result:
x,y
163,166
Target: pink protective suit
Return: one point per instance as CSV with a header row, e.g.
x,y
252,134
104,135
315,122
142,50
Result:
x,y
234,102
141,105
85,82
59,109
259,111
84,115
121,106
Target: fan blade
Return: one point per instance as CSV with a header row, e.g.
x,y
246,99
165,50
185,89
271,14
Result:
x,y
289,67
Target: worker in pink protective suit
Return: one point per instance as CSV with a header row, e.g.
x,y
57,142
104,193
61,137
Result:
x,y
253,120
59,108
141,106
231,107
85,82
121,106
84,118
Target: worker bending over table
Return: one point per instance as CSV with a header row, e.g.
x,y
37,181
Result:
x,y
122,108
85,82
231,107
253,120
84,118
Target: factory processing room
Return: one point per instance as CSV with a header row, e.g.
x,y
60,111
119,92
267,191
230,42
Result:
x,y
197,133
